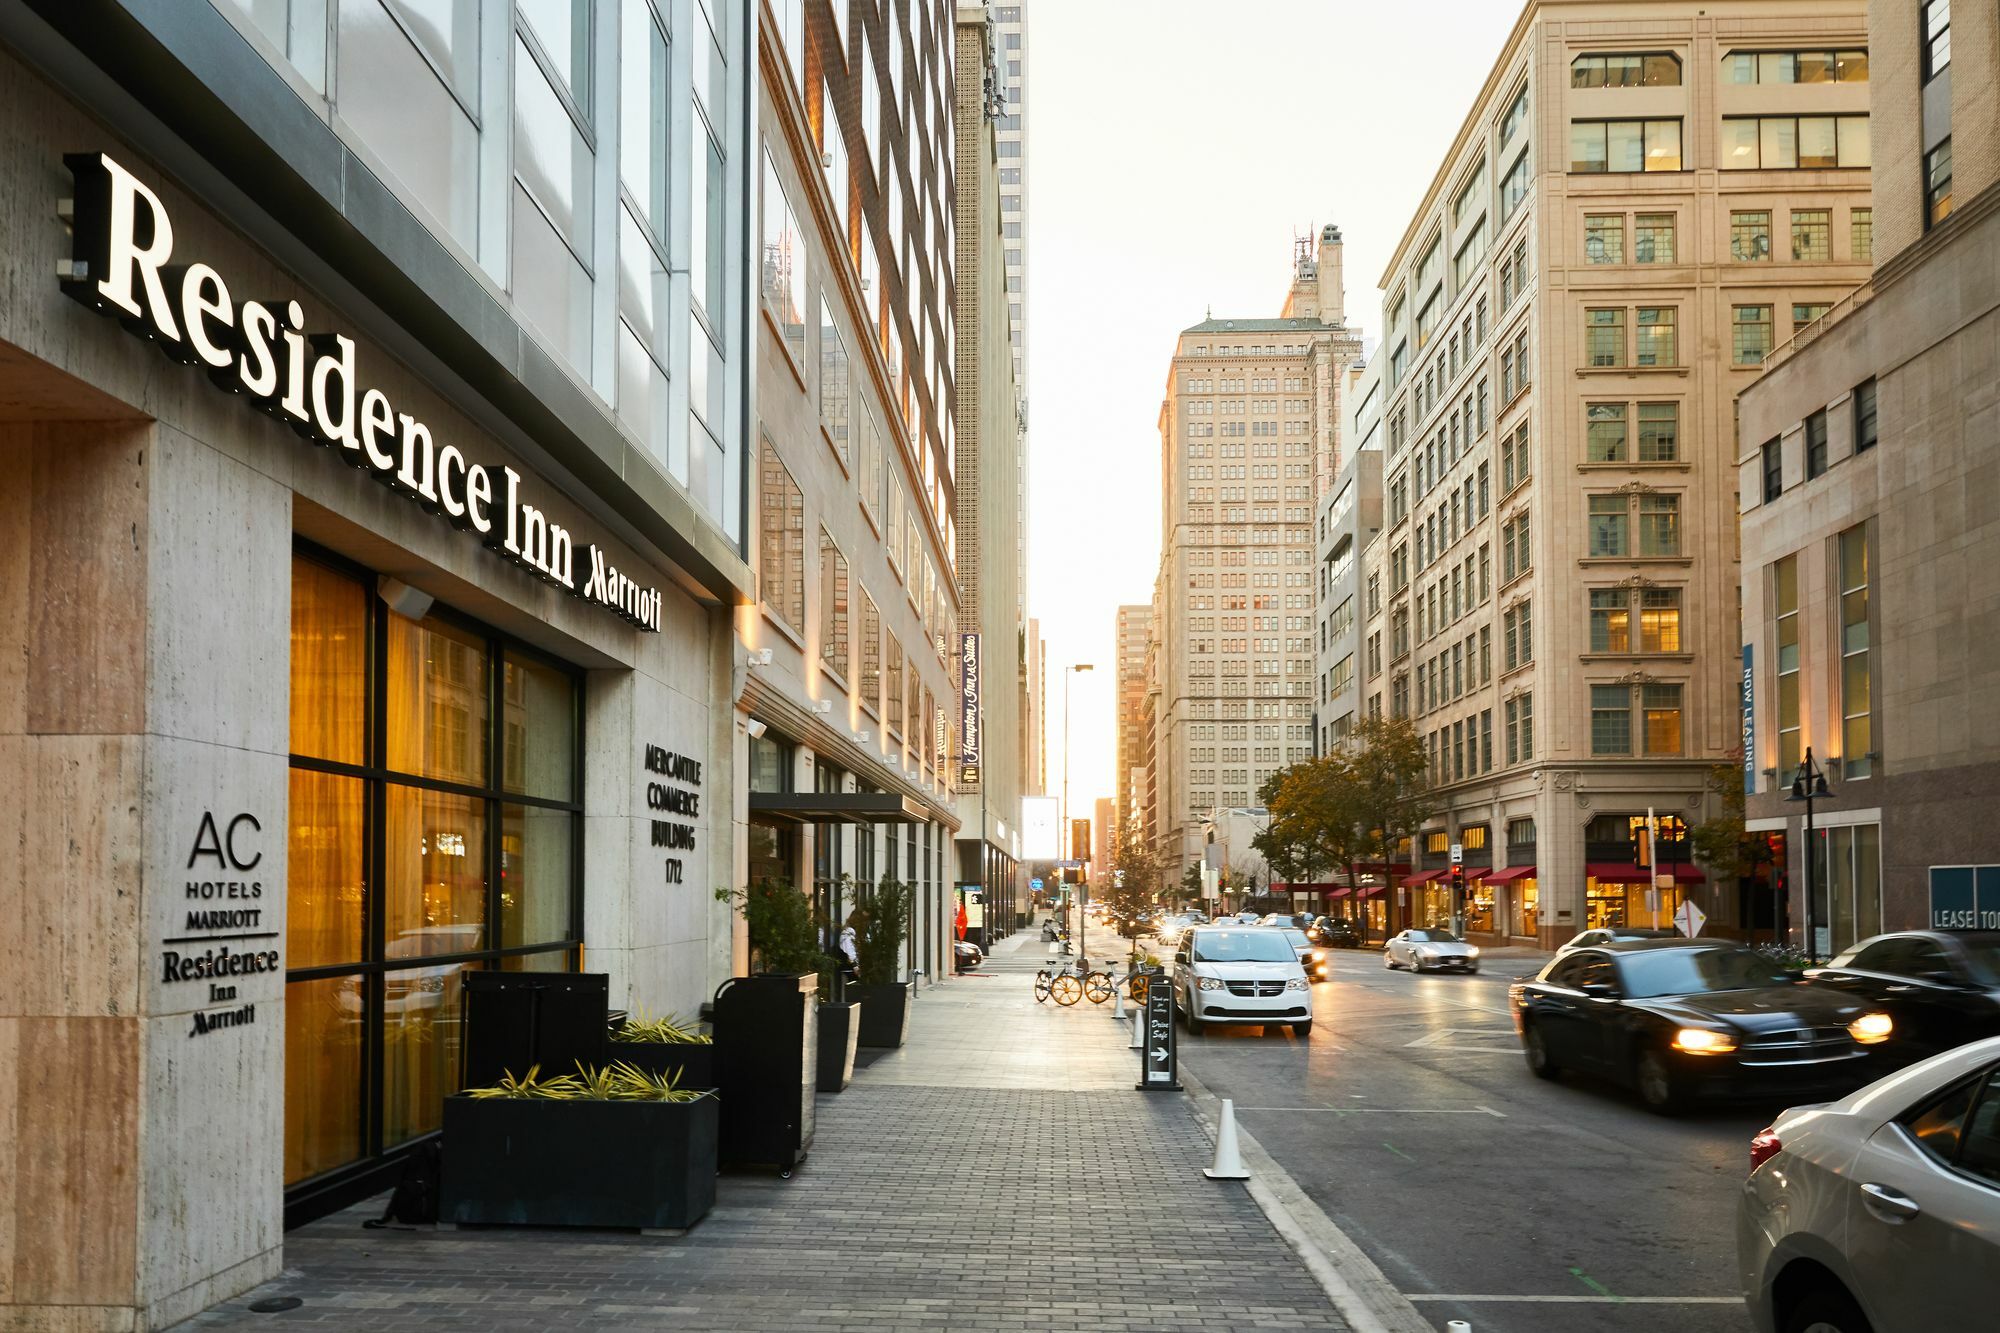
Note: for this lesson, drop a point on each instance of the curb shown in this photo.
(1359, 1291)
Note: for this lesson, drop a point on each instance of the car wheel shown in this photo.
(1388, 962)
(1303, 1029)
(1827, 1311)
(1540, 1062)
(1654, 1078)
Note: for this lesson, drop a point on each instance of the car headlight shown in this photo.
(1298, 983)
(1317, 956)
(1704, 1041)
(1472, 951)
(1871, 1028)
(1210, 983)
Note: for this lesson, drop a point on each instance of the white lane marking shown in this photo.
(1578, 1300)
(1443, 1038)
(1387, 1110)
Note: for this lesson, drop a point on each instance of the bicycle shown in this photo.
(1072, 982)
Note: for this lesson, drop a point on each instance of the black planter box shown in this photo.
(647, 1165)
(766, 1063)
(691, 1063)
(885, 1013)
(839, 1027)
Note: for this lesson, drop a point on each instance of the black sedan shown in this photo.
(1335, 932)
(1941, 987)
(1682, 1019)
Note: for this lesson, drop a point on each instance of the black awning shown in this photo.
(834, 807)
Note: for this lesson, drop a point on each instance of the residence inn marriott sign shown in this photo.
(290, 758)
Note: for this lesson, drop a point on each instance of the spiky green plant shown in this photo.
(667, 1031)
(616, 1082)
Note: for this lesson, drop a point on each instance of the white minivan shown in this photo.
(1244, 975)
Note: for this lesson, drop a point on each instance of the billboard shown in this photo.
(1041, 835)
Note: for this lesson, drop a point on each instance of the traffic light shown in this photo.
(1079, 839)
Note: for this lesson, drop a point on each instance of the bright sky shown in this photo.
(1175, 148)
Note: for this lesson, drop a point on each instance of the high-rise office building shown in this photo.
(1250, 420)
(992, 650)
(853, 776)
(1863, 455)
(1134, 631)
(1643, 200)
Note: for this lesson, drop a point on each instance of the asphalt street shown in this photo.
(1484, 1193)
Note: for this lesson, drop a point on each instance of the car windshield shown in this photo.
(1297, 939)
(1693, 971)
(1433, 937)
(1243, 946)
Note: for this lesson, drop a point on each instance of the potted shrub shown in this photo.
(785, 940)
(603, 1147)
(668, 1047)
(883, 931)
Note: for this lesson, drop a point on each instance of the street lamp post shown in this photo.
(1809, 786)
(1081, 925)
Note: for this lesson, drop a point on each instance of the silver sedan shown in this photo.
(1423, 950)
(1881, 1210)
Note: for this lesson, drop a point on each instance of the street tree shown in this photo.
(1390, 777)
(1130, 887)
(1721, 843)
(1315, 818)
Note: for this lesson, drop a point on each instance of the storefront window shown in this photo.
(1526, 920)
(1479, 907)
(399, 820)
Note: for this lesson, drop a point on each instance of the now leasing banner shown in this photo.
(123, 265)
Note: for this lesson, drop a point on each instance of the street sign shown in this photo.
(1458, 853)
(1158, 1058)
(1035, 884)
(1690, 919)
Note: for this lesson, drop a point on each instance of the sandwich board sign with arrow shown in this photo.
(1157, 1072)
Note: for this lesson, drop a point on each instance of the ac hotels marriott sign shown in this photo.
(122, 265)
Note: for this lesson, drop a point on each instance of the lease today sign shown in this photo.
(123, 265)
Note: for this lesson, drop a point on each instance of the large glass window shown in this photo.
(1624, 145)
(781, 574)
(1752, 142)
(1858, 743)
(1653, 238)
(409, 88)
(784, 266)
(1785, 612)
(435, 808)
(1936, 37)
(1812, 234)
(1750, 334)
(1750, 235)
(1937, 184)
(1652, 70)
(1850, 66)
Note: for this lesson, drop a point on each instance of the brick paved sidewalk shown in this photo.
(891, 1224)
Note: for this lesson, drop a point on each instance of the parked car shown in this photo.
(1681, 1019)
(1942, 987)
(965, 955)
(1422, 950)
(1609, 934)
(1311, 957)
(1879, 1213)
(1335, 932)
(1241, 975)
(1294, 920)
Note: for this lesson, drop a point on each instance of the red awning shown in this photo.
(1509, 875)
(1339, 893)
(1375, 892)
(1611, 872)
(1426, 877)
